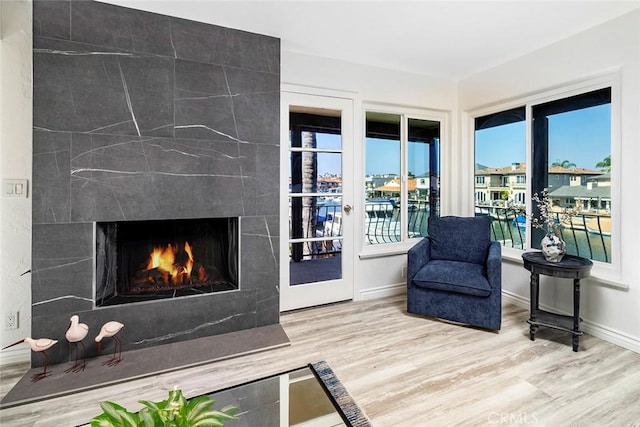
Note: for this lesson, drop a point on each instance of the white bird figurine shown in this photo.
(40, 345)
(75, 334)
(110, 329)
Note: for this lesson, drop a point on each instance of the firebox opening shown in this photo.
(147, 260)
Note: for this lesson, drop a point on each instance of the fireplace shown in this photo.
(148, 260)
(179, 120)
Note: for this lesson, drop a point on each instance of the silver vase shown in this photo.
(553, 247)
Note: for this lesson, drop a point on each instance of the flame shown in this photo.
(164, 259)
(189, 266)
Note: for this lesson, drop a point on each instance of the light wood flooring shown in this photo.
(405, 370)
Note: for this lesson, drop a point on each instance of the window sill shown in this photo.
(385, 250)
(597, 279)
(599, 276)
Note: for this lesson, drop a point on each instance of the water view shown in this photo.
(583, 240)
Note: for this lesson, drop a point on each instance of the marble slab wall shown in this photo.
(143, 116)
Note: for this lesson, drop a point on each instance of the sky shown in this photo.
(382, 156)
(581, 137)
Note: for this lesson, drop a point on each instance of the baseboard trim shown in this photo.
(520, 301)
(383, 291)
(615, 337)
(604, 333)
(17, 355)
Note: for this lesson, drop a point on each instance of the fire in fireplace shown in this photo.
(170, 267)
(144, 260)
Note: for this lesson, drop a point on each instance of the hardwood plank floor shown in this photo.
(406, 370)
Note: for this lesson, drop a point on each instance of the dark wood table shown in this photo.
(571, 267)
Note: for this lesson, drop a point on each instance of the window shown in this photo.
(402, 176)
(520, 198)
(570, 157)
(500, 146)
(572, 136)
(479, 179)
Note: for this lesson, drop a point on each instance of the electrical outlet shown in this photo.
(11, 320)
(404, 271)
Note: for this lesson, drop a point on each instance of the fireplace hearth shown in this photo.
(147, 260)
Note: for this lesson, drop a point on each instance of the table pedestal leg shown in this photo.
(534, 305)
(576, 314)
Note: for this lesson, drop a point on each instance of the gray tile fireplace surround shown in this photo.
(139, 116)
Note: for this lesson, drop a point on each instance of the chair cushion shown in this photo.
(464, 239)
(454, 276)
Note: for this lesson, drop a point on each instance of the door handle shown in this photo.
(347, 208)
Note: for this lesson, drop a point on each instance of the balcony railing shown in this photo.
(586, 235)
(323, 230)
(382, 221)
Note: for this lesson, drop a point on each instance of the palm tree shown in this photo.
(564, 164)
(309, 185)
(605, 164)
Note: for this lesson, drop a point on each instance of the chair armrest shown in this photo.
(417, 257)
(494, 266)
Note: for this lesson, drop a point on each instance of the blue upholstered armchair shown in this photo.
(456, 273)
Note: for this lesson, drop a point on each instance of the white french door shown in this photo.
(317, 218)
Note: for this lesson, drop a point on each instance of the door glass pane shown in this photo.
(329, 141)
(423, 189)
(382, 178)
(328, 166)
(315, 202)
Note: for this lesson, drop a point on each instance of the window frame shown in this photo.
(607, 273)
(406, 113)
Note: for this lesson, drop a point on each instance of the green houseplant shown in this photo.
(175, 411)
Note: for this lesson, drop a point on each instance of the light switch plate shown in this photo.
(15, 188)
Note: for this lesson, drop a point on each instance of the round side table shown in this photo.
(571, 267)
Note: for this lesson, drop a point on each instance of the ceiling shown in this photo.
(452, 39)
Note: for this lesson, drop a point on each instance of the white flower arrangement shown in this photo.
(549, 220)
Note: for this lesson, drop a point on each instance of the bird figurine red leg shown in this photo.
(110, 329)
(40, 345)
(75, 334)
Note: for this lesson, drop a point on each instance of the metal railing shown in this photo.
(506, 226)
(321, 234)
(586, 235)
(383, 225)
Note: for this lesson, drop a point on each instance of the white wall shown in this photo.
(15, 154)
(370, 83)
(608, 312)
